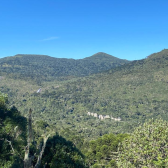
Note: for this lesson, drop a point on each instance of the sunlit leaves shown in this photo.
(147, 146)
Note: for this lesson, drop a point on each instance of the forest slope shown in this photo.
(134, 92)
(121, 150)
(43, 67)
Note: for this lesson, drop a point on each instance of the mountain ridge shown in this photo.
(96, 54)
(44, 66)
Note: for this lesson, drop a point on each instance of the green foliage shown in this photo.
(12, 135)
(41, 124)
(134, 92)
(13, 139)
(103, 151)
(3, 99)
(62, 153)
(112, 164)
(146, 147)
(45, 68)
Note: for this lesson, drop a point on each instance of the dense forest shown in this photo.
(134, 92)
(115, 117)
(45, 68)
(27, 144)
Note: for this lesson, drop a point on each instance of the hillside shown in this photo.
(133, 92)
(107, 151)
(46, 68)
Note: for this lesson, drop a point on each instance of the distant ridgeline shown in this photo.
(43, 67)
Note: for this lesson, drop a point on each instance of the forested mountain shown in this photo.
(133, 93)
(43, 67)
(113, 101)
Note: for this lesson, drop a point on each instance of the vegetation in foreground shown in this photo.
(21, 146)
(145, 147)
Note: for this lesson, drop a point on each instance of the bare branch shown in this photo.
(27, 159)
(41, 153)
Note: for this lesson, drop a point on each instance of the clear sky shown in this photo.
(127, 29)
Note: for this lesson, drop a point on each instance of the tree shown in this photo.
(21, 146)
(13, 128)
(103, 151)
(146, 147)
(62, 153)
(28, 159)
(12, 135)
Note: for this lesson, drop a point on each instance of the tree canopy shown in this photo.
(146, 147)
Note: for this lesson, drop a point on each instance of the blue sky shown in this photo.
(127, 29)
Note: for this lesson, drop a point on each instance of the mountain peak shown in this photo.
(104, 57)
(101, 54)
